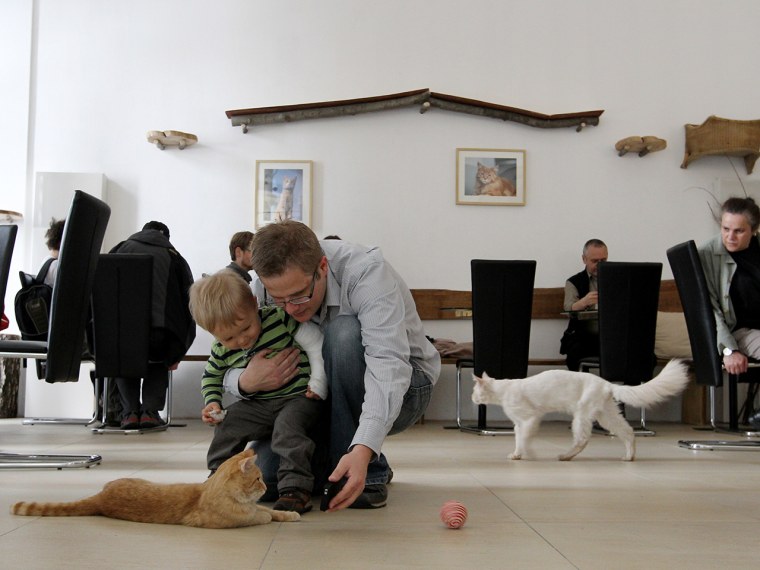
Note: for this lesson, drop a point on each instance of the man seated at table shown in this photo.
(581, 338)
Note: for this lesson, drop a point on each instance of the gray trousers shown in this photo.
(288, 422)
(748, 341)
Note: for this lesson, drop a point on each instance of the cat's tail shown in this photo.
(671, 381)
(83, 508)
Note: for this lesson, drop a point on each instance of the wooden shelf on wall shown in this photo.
(425, 98)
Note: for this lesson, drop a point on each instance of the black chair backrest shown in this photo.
(7, 241)
(698, 312)
(502, 303)
(628, 297)
(80, 248)
(121, 311)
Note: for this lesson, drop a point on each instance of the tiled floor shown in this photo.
(672, 508)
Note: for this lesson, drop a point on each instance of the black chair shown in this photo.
(629, 293)
(700, 322)
(10, 367)
(502, 304)
(7, 242)
(80, 247)
(121, 314)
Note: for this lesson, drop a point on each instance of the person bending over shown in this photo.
(380, 367)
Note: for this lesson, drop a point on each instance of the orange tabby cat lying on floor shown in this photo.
(225, 500)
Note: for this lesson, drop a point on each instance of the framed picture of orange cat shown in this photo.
(283, 191)
(490, 177)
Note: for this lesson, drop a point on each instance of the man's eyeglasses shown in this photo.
(294, 301)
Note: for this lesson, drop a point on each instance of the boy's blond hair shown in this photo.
(219, 298)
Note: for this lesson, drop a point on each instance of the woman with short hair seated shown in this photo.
(731, 262)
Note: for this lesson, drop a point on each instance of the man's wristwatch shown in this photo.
(728, 351)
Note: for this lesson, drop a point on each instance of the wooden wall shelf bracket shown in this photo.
(425, 98)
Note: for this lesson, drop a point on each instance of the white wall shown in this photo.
(103, 73)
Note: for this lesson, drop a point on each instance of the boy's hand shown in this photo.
(206, 413)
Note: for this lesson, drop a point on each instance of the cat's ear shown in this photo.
(477, 379)
(247, 464)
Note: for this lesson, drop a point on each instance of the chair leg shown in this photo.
(481, 428)
(642, 429)
(459, 397)
(68, 421)
(169, 396)
(27, 461)
(733, 403)
(40, 461)
(713, 397)
(733, 412)
(709, 445)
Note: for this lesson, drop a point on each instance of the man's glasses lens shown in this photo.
(295, 301)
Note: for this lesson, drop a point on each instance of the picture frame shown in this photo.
(283, 191)
(503, 177)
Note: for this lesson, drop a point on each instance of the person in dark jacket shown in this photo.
(581, 339)
(172, 326)
(53, 237)
(240, 254)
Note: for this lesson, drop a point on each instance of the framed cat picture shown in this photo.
(283, 191)
(490, 177)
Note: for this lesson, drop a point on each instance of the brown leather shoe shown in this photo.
(296, 500)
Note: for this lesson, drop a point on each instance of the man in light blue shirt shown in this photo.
(380, 366)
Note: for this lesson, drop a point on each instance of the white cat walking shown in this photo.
(584, 396)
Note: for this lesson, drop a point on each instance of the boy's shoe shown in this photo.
(373, 497)
(130, 421)
(151, 420)
(296, 500)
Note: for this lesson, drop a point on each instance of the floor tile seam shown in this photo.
(530, 526)
(548, 542)
(24, 523)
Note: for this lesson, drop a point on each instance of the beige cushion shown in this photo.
(671, 336)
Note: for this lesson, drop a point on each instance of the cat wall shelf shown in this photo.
(425, 98)
(641, 145)
(10, 216)
(718, 136)
(162, 139)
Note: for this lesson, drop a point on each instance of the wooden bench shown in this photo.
(548, 303)
(441, 304)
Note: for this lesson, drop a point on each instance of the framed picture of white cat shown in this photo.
(490, 177)
(283, 191)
